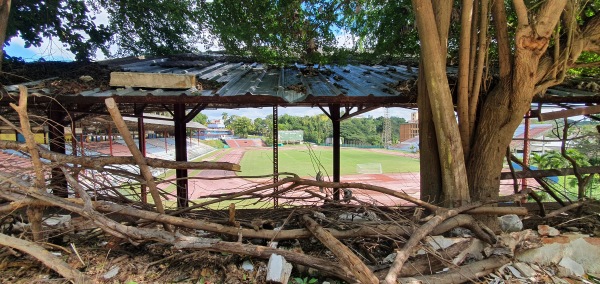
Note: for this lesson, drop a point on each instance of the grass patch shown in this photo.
(260, 162)
(214, 143)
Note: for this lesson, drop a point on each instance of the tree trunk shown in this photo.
(430, 168)
(4, 12)
(454, 179)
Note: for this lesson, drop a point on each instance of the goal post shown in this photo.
(370, 168)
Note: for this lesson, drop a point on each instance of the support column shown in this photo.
(525, 149)
(142, 147)
(56, 135)
(275, 152)
(181, 155)
(110, 139)
(334, 112)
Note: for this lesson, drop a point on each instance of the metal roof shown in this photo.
(229, 84)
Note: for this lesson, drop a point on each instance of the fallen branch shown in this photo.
(34, 213)
(325, 266)
(344, 255)
(111, 105)
(460, 220)
(469, 272)
(45, 257)
(418, 235)
(98, 163)
(564, 209)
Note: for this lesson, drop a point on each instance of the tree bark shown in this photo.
(44, 257)
(507, 103)
(4, 14)
(451, 155)
(430, 168)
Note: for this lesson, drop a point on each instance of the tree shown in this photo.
(4, 13)
(157, 27)
(549, 36)
(201, 118)
(241, 126)
(71, 22)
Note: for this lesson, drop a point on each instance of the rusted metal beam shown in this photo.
(334, 110)
(569, 113)
(549, 173)
(181, 155)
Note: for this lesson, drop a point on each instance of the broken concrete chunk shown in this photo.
(278, 270)
(112, 272)
(510, 223)
(572, 266)
(545, 230)
(247, 265)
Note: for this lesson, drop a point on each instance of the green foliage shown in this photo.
(241, 126)
(69, 21)
(305, 280)
(158, 27)
(201, 118)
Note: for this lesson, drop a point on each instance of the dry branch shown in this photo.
(345, 255)
(469, 272)
(44, 257)
(99, 163)
(325, 266)
(111, 105)
(418, 235)
(34, 213)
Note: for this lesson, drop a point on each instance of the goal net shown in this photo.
(371, 168)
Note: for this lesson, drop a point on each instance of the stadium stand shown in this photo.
(238, 143)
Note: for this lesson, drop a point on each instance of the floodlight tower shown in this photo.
(387, 129)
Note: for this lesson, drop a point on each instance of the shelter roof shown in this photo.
(223, 82)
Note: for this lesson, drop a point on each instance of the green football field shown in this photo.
(304, 164)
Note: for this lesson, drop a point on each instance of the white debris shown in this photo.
(278, 270)
(510, 223)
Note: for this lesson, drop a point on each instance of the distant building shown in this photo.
(411, 129)
(216, 130)
(291, 136)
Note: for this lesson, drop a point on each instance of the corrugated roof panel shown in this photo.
(219, 71)
(356, 83)
(242, 83)
(319, 86)
(268, 83)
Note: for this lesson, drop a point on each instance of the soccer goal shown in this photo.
(371, 168)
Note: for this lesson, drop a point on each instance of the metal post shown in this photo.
(142, 147)
(56, 135)
(275, 153)
(165, 136)
(525, 149)
(73, 140)
(110, 140)
(334, 111)
(181, 155)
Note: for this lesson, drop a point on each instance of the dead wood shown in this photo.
(564, 209)
(343, 253)
(418, 235)
(326, 266)
(430, 262)
(111, 105)
(469, 272)
(34, 213)
(99, 163)
(44, 257)
(460, 220)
